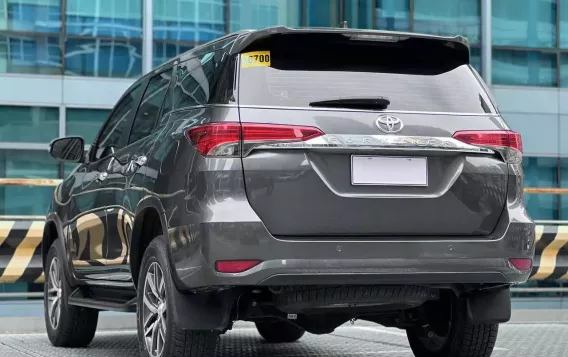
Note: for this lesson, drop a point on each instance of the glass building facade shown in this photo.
(63, 64)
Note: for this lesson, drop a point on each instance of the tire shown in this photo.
(67, 325)
(462, 338)
(298, 299)
(279, 331)
(153, 295)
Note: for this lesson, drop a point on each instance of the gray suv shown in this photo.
(297, 179)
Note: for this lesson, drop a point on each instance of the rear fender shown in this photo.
(148, 203)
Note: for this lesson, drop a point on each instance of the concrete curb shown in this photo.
(127, 322)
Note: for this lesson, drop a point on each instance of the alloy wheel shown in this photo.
(154, 310)
(54, 293)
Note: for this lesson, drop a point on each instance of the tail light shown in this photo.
(223, 139)
(509, 142)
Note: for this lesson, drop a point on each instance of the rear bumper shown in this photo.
(323, 261)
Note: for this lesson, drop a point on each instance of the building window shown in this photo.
(110, 18)
(524, 23)
(163, 51)
(541, 172)
(564, 70)
(453, 17)
(30, 54)
(322, 13)
(103, 58)
(524, 68)
(563, 183)
(475, 58)
(258, 14)
(85, 122)
(563, 19)
(196, 21)
(20, 200)
(28, 124)
(359, 13)
(104, 38)
(42, 16)
(393, 15)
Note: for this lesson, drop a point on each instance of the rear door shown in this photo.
(129, 187)
(376, 169)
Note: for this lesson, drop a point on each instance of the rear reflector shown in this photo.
(235, 266)
(521, 263)
(495, 138)
(222, 139)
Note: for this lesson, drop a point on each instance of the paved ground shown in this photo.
(515, 340)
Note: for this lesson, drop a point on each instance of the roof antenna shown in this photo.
(343, 25)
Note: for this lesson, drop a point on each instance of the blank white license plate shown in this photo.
(389, 171)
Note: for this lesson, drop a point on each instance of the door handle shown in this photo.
(102, 176)
(140, 161)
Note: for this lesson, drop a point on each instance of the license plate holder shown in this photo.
(389, 170)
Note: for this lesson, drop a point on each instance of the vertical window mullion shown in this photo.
(411, 15)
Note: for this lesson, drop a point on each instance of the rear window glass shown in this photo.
(412, 77)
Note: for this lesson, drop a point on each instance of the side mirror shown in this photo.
(68, 149)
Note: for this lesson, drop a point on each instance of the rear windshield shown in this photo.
(417, 77)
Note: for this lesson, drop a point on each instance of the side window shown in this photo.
(149, 109)
(197, 80)
(112, 137)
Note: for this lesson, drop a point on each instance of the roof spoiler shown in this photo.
(458, 43)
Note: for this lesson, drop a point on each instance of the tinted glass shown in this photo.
(322, 13)
(196, 21)
(28, 124)
(148, 112)
(163, 51)
(393, 15)
(541, 172)
(564, 70)
(103, 58)
(450, 17)
(21, 200)
(117, 127)
(203, 80)
(359, 13)
(85, 122)
(30, 54)
(258, 14)
(563, 18)
(524, 68)
(299, 75)
(31, 15)
(563, 183)
(109, 18)
(524, 23)
(475, 58)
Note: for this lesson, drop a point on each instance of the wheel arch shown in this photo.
(51, 232)
(149, 222)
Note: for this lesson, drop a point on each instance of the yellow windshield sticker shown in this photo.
(255, 59)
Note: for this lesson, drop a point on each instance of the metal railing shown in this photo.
(54, 182)
(38, 182)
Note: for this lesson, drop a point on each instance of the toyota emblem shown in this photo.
(389, 124)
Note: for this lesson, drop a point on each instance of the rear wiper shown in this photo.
(354, 103)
